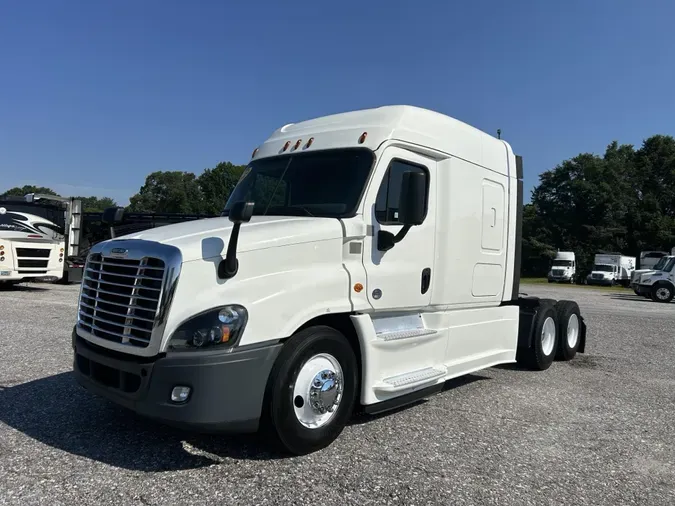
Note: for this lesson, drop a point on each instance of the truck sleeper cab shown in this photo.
(362, 260)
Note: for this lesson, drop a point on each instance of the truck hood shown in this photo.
(208, 238)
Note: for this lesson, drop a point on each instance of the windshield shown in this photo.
(669, 266)
(659, 265)
(562, 263)
(323, 183)
(603, 268)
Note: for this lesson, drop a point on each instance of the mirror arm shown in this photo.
(228, 268)
(386, 240)
(402, 233)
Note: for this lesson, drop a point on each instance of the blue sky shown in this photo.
(95, 95)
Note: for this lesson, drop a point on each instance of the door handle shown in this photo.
(426, 279)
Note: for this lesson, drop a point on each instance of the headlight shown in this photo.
(217, 328)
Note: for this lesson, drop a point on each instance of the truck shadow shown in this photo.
(628, 297)
(57, 412)
(33, 287)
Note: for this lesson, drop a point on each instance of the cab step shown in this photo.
(404, 334)
(411, 379)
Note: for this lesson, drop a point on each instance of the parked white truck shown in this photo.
(362, 260)
(563, 268)
(658, 284)
(611, 269)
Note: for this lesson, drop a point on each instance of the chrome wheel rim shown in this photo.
(572, 331)
(318, 391)
(548, 336)
(663, 293)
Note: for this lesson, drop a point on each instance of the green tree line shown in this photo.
(622, 201)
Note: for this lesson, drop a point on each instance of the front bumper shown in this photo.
(560, 279)
(227, 388)
(7, 274)
(643, 289)
(601, 282)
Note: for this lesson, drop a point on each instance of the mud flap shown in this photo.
(582, 342)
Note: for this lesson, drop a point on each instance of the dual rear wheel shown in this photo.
(556, 334)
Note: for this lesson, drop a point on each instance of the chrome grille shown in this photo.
(120, 298)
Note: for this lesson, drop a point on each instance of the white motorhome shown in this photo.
(611, 269)
(563, 268)
(31, 247)
(363, 259)
(38, 234)
(658, 284)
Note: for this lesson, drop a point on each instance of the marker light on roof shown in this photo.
(363, 137)
(297, 144)
(255, 152)
(309, 142)
(288, 143)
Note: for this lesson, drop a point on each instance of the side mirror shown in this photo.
(241, 212)
(113, 215)
(411, 208)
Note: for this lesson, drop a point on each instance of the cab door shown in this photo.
(403, 276)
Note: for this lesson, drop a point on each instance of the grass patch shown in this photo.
(544, 281)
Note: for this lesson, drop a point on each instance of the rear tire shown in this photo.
(316, 369)
(540, 355)
(569, 329)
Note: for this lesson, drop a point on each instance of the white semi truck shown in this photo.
(563, 268)
(611, 269)
(362, 260)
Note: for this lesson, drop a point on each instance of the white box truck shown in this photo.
(611, 269)
(362, 260)
(563, 268)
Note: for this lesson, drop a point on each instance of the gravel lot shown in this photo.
(597, 430)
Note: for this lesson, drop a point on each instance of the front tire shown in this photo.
(311, 390)
(662, 292)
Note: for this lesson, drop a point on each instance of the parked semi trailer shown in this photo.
(362, 260)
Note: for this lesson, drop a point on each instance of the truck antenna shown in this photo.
(499, 133)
